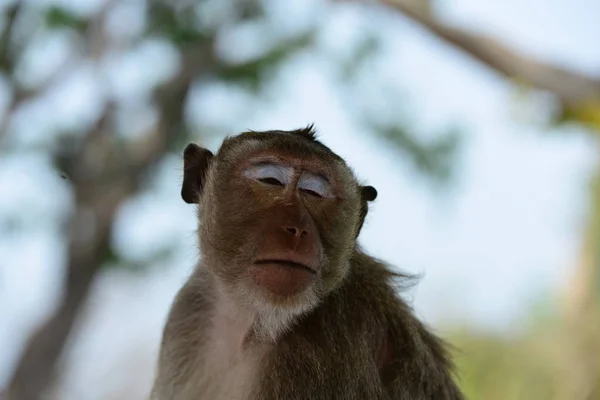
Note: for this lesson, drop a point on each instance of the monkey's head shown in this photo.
(279, 216)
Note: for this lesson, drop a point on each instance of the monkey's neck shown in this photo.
(234, 325)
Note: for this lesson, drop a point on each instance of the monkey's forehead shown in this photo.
(300, 143)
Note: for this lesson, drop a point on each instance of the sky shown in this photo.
(504, 235)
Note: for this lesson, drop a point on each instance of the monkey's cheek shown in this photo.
(281, 280)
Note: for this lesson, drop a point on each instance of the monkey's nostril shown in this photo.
(291, 230)
(296, 231)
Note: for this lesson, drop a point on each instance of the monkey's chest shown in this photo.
(226, 375)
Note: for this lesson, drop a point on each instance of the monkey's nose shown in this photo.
(294, 231)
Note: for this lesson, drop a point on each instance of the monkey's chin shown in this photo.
(274, 310)
(274, 294)
(282, 278)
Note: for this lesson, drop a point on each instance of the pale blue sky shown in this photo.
(504, 234)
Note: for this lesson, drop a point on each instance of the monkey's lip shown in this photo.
(282, 276)
(287, 263)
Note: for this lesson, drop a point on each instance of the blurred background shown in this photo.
(478, 123)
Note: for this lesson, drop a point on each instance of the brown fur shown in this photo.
(347, 336)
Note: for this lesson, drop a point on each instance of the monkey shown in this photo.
(284, 304)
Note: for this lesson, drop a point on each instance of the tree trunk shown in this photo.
(37, 365)
(582, 308)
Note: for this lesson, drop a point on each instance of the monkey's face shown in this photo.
(279, 218)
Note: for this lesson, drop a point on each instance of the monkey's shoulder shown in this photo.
(402, 348)
(187, 319)
(374, 290)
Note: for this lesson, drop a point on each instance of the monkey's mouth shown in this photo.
(287, 263)
(282, 277)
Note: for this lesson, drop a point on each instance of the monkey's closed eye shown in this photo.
(271, 181)
(269, 174)
(311, 192)
(314, 185)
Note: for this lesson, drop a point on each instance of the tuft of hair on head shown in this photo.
(308, 132)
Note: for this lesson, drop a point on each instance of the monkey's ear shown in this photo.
(196, 160)
(368, 193)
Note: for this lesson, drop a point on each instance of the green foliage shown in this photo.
(587, 115)
(545, 362)
(435, 159)
(497, 368)
(365, 50)
(252, 73)
(594, 233)
(59, 17)
(180, 27)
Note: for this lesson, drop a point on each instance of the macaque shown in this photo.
(284, 304)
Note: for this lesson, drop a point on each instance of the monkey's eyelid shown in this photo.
(269, 172)
(316, 185)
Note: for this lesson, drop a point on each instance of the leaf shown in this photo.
(58, 17)
(252, 73)
(435, 160)
(180, 28)
(364, 51)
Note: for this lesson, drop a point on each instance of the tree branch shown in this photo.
(94, 46)
(12, 14)
(98, 199)
(573, 89)
(103, 177)
(88, 239)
